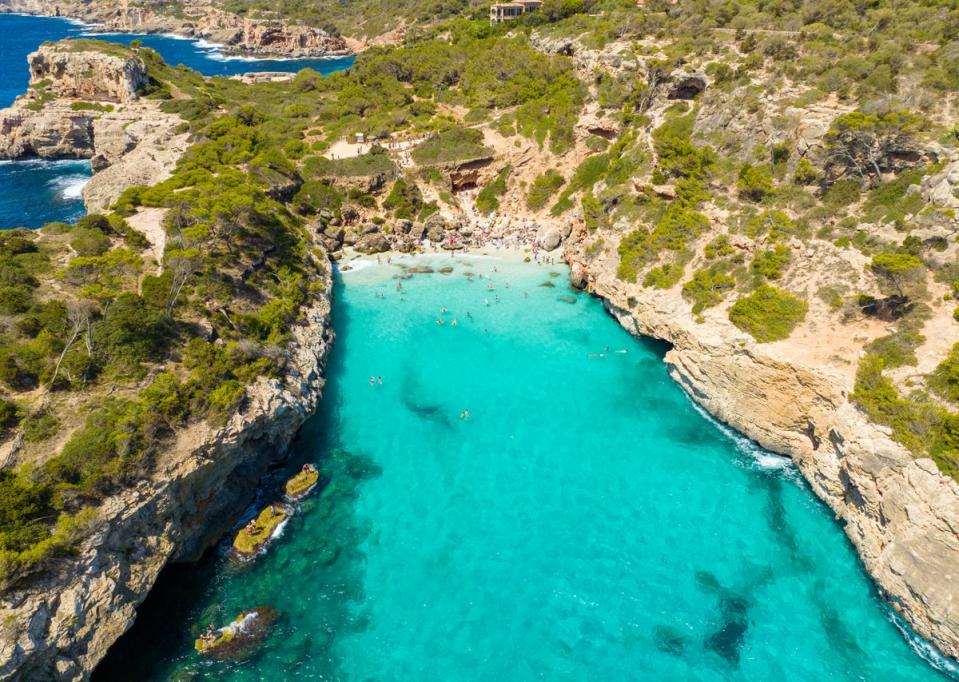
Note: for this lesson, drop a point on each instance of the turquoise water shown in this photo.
(584, 523)
(39, 192)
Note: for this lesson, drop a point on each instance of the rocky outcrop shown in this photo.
(87, 74)
(62, 627)
(900, 512)
(198, 20)
(83, 104)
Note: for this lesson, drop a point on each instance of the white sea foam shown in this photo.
(923, 649)
(763, 459)
(69, 187)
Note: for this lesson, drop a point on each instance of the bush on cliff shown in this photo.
(768, 314)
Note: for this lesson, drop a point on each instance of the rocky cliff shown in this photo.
(60, 628)
(201, 20)
(900, 513)
(83, 104)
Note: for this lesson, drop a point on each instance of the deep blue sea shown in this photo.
(584, 522)
(43, 191)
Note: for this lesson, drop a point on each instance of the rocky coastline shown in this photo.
(235, 35)
(84, 105)
(900, 513)
(60, 625)
(75, 614)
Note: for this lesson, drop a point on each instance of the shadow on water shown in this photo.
(186, 598)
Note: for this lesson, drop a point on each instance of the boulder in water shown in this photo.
(258, 533)
(241, 638)
(577, 277)
(301, 485)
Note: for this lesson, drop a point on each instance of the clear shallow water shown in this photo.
(31, 194)
(585, 522)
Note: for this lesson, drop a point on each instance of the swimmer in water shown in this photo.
(469, 316)
(486, 301)
(372, 381)
(465, 414)
(399, 286)
(496, 298)
(379, 380)
(440, 322)
(444, 310)
(453, 323)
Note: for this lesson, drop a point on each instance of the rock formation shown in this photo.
(199, 20)
(83, 104)
(900, 513)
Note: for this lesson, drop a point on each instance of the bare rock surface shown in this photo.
(128, 139)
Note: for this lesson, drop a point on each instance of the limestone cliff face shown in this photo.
(199, 20)
(61, 628)
(87, 74)
(129, 140)
(901, 514)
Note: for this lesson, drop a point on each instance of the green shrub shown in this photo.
(225, 400)
(454, 144)
(90, 106)
(672, 232)
(913, 423)
(944, 381)
(487, 200)
(10, 415)
(543, 187)
(664, 276)
(897, 349)
(720, 247)
(755, 182)
(89, 242)
(771, 263)
(707, 288)
(39, 426)
(315, 196)
(768, 314)
(805, 173)
(405, 200)
(676, 154)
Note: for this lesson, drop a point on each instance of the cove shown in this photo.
(585, 522)
(45, 191)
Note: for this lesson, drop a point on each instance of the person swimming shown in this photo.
(372, 381)
(465, 414)
(444, 310)
(453, 323)
(379, 380)
(440, 322)
(399, 286)
(485, 301)
(469, 316)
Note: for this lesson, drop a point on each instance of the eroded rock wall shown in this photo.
(900, 513)
(61, 628)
